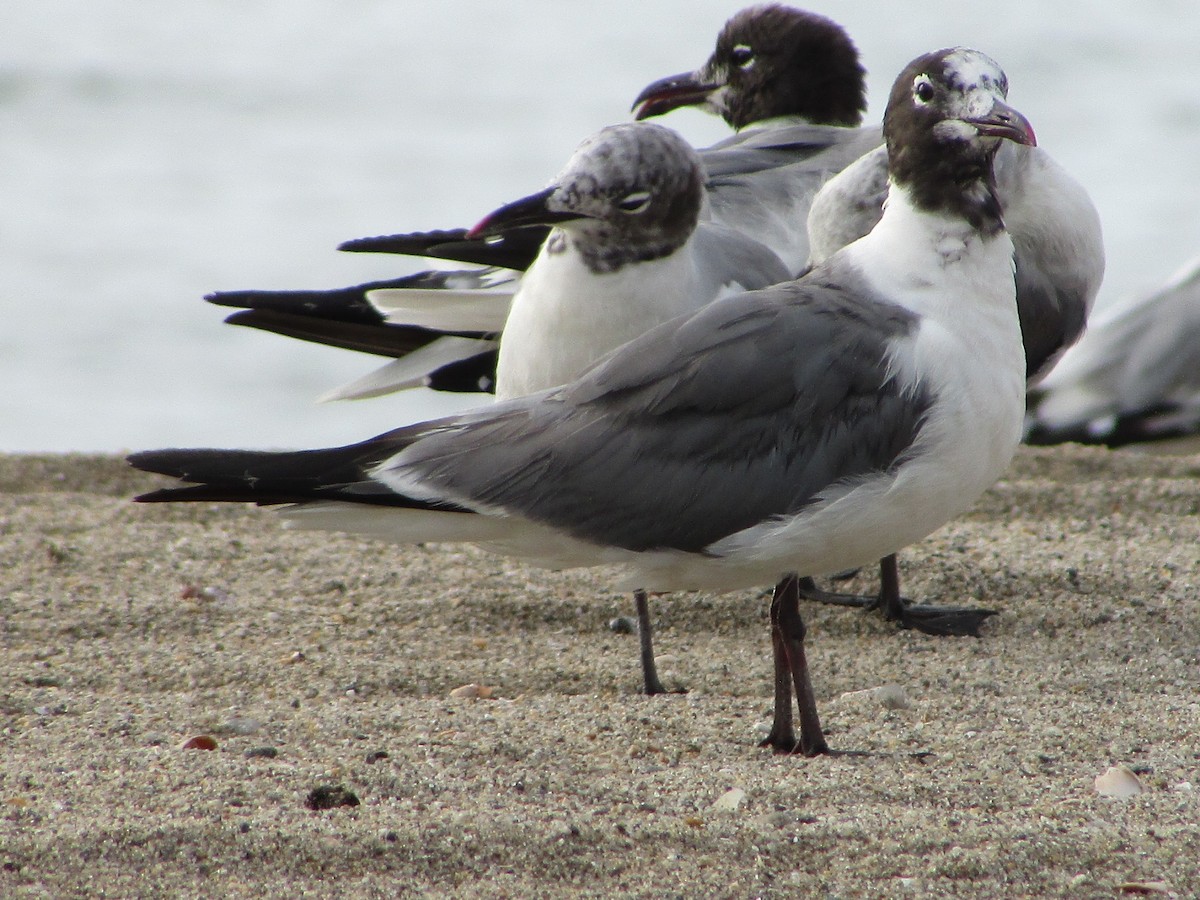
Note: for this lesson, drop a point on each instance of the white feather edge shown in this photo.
(445, 310)
(535, 544)
(410, 371)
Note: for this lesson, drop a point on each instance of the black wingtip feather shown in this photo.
(414, 243)
(515, 249)
(378, 340)
(272, 478)
(262, 476)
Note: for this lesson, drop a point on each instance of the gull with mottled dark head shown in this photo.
(630, 194)
(626, 252)
(893, 398)
(1059, 245)
(791, 82)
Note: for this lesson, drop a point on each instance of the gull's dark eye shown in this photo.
(923, 91)
(635, 202)
(742, 56)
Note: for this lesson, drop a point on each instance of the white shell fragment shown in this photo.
(473, 692)
(729, 801)
(888, 696)
(1119, 782)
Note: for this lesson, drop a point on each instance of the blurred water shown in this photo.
(150, 153)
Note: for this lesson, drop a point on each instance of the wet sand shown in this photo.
(324, 661)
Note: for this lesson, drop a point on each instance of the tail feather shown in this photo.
(346, 318)
(269, 478)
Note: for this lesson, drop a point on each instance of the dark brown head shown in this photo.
(770, 61)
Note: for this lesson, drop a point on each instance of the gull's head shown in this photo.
(770, 61)
(629, 192)
(953, 97)
(945, 119)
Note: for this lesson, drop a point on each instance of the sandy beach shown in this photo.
(326, 670)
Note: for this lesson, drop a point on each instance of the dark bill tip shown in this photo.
(523, 213)
(671, 93)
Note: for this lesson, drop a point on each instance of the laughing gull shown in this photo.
(759, 183)
(790, 82)
(893, 398)
(1133, 377)
(758, 80)
(626, 252)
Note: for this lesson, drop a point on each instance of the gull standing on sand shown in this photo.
(626, 253)
(894, 397)
(761, 78)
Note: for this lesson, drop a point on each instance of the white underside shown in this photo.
(565, 317)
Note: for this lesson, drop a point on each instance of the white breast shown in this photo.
(565, 317)
(967, 353)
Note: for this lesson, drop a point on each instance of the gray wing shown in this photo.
(729, 259)
(754, 149)
(848, 206)
(1058, 248)
(1136, 373)
(766, 191)
(699, 429)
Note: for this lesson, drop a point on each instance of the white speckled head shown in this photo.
(976, 82)
(629, 193)
(946, 115)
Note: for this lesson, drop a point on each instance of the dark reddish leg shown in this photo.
(791, 671)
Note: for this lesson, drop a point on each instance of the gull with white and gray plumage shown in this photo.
(893, 398)
(753, 80)
(1134, 377)
(758, 183)
(626, 250)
